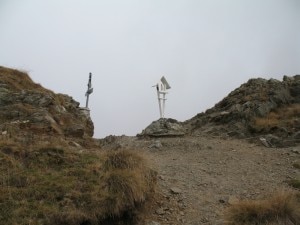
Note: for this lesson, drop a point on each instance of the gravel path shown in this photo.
(199, 177)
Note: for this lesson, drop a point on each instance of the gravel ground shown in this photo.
(200, 176)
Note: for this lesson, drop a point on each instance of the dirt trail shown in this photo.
(199, 177)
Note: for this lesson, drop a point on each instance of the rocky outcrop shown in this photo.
(27, 106)
(258, 107)
(164, 128)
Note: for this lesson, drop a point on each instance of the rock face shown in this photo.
(27, 106)
(163, 128)
(258, 107)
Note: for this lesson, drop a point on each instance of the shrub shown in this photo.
(282, 208)
(127, 182)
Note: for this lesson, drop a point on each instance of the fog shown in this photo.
(204, 48)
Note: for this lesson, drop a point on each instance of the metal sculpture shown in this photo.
(162, 86)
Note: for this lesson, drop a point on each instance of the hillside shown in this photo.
(27, 107)
(51, 169)
(216, 168)
(259, 108)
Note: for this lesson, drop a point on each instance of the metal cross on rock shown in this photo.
(89, 91)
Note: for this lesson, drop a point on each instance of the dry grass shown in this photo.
(45, 181)
(288, 116)
(128, 182)
(58, 185)
(282, 208)
(122, 160)
(17, 79)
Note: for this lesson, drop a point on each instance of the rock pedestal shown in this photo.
(164, 128)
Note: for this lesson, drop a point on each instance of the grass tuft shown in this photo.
(127, 182)
(124, 190)
(122, 160)
(281, 209)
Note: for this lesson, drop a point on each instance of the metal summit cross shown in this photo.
(89, 91)
(162, 86)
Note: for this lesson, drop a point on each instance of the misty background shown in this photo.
(204, 48)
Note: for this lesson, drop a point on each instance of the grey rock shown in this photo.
(157, 144)
(160, 211)
(3, 90)
(164, 127)
(175, 190)
(288, 78)
(273, 140)
(265, 142)
(295, 151)
(232, 200)
(74, 144)
(153, 223)
(37, 99)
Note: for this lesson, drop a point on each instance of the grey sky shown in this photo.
(205, 49)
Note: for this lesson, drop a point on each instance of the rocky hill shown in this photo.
(215, 169)
(51, 169)
(27, 107)
(269, 109)
(53, 172)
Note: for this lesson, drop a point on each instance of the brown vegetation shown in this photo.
(282, 208)
(288, 116)
(17, 79)
(60, 185)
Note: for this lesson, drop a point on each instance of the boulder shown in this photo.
(164, 128)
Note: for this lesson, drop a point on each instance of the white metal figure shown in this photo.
(162, 87)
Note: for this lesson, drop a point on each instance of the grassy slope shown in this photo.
(58, 185)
